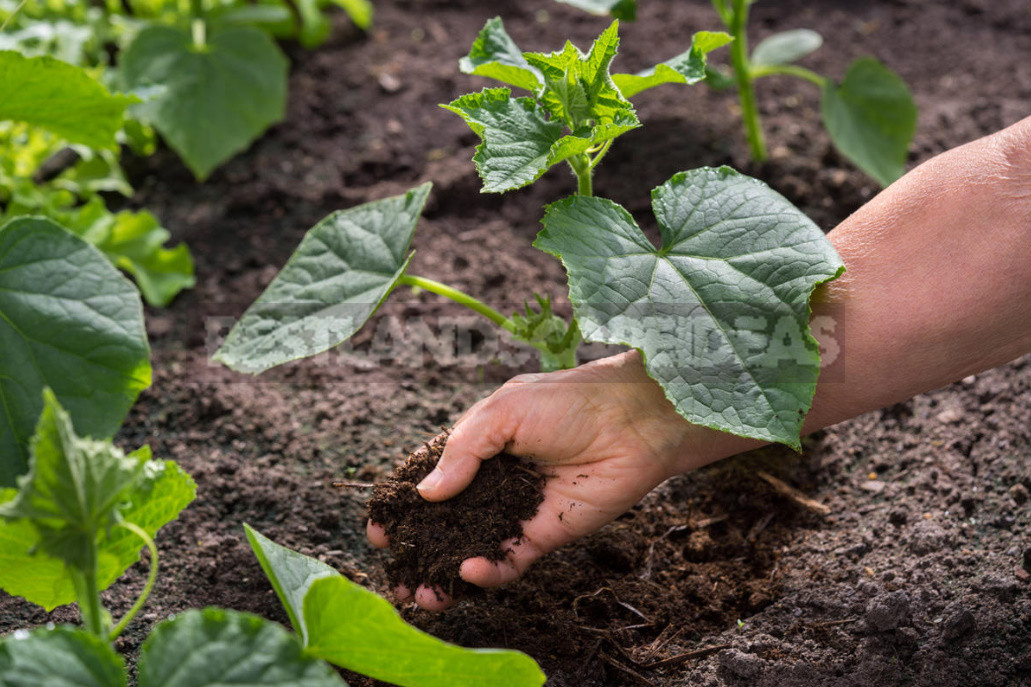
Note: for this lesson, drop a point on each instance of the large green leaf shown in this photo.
(495, 55)
(68, 321)
(59, 97)
(345, 267)
(290, 573)
(785, 47)
(720, 311)
(686, 68)
(62, 657)
(217, 98)
(871, 118)
(218, 648)
(617, 9)
(162, 493)
(356, 629)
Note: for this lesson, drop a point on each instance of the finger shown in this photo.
(432, 599)
(485, 573)
(482, 434)
(403, 594)
(377, 535)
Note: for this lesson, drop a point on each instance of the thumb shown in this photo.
(484, 432)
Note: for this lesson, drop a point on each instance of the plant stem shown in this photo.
(460, 298)
(197, 25)
(745, 79)
(88, 593)
(789, 70)
(12, 15)
(582, 168)
(151, 578)
(601, 153)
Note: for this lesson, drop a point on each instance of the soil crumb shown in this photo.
(429, 540)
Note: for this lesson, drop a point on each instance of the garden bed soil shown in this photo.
(919, 575)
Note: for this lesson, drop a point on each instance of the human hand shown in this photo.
(604, 433)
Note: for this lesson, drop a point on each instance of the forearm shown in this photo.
(937, 287)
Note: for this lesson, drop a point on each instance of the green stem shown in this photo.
(582, 168)
(88, 593)
(151, 579)
(12, 15)
(460, 298)
(788, 70)
(601, 153)
(745, 81)
(198, 26)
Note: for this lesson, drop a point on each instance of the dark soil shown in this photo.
(920, 574)
(429, 541)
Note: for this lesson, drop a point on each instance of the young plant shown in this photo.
(720, 310)
(77, 523)
(870, 115)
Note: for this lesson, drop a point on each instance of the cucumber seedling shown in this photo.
(720, 310)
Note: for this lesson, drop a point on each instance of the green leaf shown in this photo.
(59, 97)
(343, 270)
(217, 98)
(495, 55)
(68, 321)
(162, 493)
(290, 573)
(786, 47)
(686, 68)
(578, 88)
(74, 486)
(871, 118)
(360, 12)
(617, 9)
(517, 138)
(134, 242)
(720, 311)
(62, 657)
(218, 648)
(356, 629)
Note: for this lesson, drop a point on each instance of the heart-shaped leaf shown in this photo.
(345, 267)
(68, 321)
(215, 98)
(720, 311)
(871, 118)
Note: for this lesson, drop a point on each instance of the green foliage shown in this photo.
(162, 491)
(786, 47)
(62, 657)
(720, 310)
(197, 109)
(59, 97)
(355, 629)
(617, 9)
(687, 68)
(68, 321)
(343, 270)
(214, 647)
(871, 118)
(576, 110)
(870, 115)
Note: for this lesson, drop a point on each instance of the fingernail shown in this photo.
(430, 481)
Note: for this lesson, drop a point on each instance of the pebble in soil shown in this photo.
(429, 540)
